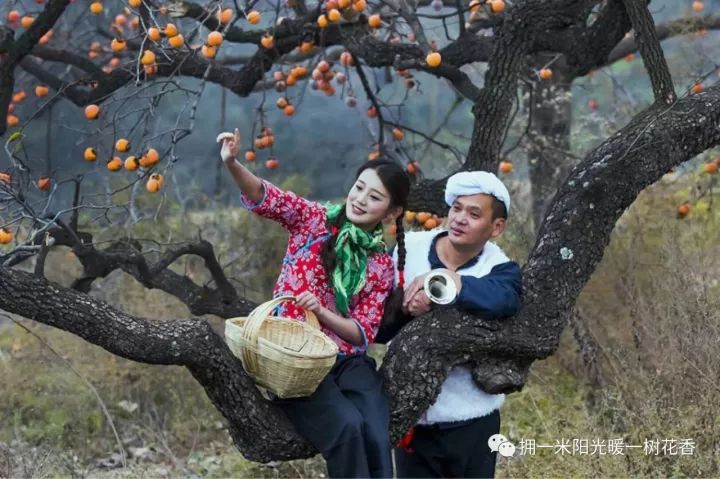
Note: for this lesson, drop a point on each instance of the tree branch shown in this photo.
(127, 255)
(577, 228)
(259, 430)
(18, 49)
(652, 53)
(664, 31)
(585, 46)
(152, 342)
(52, 54)
(78, 92)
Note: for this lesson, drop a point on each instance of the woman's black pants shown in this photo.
(347, 419)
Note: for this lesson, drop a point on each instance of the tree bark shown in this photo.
(652, 54)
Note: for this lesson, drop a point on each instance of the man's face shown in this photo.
(470, 221)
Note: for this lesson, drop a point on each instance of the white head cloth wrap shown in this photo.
(474, 182)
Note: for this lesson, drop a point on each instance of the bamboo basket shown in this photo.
(287, 357)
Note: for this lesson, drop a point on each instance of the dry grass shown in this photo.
(652, 311)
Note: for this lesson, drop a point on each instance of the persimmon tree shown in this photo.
(140, 48)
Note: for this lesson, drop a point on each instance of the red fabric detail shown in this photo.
(401, 281)
(406, 440)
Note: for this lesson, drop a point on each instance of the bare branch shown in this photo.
(127, 255)
(18, 49)
(652, 53)
(67, 57)
(373, 99)
(682, 26)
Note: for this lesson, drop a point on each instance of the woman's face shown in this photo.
(368, 201)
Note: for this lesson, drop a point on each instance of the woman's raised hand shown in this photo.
(230, 145)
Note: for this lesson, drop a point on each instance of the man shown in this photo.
(451, 437)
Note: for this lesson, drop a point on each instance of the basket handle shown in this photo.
(268, 306)
(257, 317)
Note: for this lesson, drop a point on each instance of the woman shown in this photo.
(337, 266)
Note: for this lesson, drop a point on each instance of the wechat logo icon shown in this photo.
(499, 443)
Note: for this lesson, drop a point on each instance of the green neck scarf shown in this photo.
(352, 247)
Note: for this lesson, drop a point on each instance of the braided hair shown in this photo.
(393, 316)
(400, 237)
